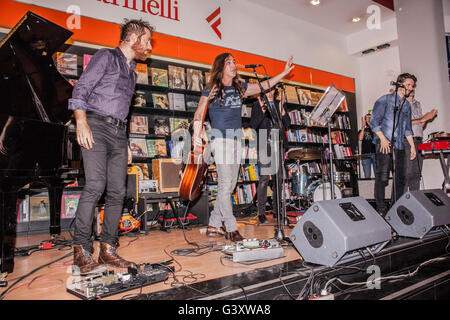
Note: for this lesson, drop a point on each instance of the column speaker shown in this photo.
(418, 213)
(333, 232)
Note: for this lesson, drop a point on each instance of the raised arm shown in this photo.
(253, 88)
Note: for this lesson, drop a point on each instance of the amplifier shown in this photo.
(167, 172)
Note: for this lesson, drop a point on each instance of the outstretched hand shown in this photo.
(289, 66)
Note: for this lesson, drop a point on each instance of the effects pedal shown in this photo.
(109, 283)
(252, 250)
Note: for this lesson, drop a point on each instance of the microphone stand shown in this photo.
(394, 127)
(276, 121)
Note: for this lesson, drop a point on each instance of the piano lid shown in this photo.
(30, 85)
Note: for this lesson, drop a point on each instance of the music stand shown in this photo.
(322, 113)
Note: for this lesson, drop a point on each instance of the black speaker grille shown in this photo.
(405, 215)
(313, 234)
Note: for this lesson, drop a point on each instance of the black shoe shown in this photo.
(262, 218)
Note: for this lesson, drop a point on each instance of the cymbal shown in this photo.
(358, 156)
(305, 154)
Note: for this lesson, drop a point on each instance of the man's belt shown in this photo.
(114, 121)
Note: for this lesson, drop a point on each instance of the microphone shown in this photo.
(397, 84)
(251, 66)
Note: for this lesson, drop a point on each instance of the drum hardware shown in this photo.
(318, 191)
(304, 154)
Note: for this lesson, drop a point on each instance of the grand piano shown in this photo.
(34, 122)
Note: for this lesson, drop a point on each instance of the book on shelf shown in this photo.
(192, 102)
(194, 79)
(250, 172)
(177, 79)
(315, 97)
(159, 77)
(291, 94)
(161, 148)
(304, 96)
(343, 106)
(139, 125)
(212, 176)
(143, 173)
(139, 99)
(138, 147)
(67, 63)
(69, 205)
(207, 77)
(151, 150)
(244, 194)
(159, 125)
(86, 59)
(142, 73)
(160, 101)
(178, 124)
(39, 207)
(176, 101)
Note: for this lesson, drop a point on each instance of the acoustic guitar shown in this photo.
(194, 171)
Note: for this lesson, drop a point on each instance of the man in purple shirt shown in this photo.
(100, 102)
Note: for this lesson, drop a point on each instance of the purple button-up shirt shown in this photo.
(106, 86)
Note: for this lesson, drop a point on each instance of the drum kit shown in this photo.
(308, 191)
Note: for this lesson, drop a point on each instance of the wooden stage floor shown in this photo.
(49, 283)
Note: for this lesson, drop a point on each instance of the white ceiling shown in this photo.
(335, 15)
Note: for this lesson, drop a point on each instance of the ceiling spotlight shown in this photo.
(315, 2)
(356, 19)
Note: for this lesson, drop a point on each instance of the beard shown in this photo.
(140, 52)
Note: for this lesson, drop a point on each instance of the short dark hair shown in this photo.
(401, 78)
(134, 26)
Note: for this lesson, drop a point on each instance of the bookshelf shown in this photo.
(166, 97)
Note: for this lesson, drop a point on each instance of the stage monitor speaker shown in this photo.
(333, 232)
(418, 213)
(167, 172)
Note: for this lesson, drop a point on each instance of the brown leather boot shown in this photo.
(109, 256)
(234, 236)
(83, 262)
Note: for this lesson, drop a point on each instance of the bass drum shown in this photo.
(319, 191)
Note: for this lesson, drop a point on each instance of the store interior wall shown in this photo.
(377, 69)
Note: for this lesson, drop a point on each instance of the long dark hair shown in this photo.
(217, 74)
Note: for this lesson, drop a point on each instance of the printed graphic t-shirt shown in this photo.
(226, 114)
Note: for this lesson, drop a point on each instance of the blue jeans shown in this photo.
(105, 165)
(367, 166)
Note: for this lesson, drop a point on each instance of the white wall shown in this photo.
(244, 26)
(376, 71)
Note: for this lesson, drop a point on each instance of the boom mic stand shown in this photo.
(277, 124)
(397, 110)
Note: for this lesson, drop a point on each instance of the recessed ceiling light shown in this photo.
(356, 19)
(315, 2)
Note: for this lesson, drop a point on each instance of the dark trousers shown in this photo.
(264, 180)
(105, 165)
(413, 167)
(384, 167)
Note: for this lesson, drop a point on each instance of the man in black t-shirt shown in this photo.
(367, 147)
